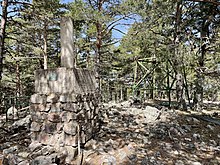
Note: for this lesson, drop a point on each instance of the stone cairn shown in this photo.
(64, 108)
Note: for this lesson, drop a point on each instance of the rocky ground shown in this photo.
(157, 136)
(137, 134)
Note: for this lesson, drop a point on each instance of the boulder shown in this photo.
(12, 113)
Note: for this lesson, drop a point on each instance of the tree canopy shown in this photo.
(179, 39)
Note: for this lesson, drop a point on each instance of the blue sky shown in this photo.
(66, 1)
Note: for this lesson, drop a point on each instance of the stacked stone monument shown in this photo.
(64, 107)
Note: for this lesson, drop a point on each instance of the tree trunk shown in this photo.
(177, 56)
(205, 31)
(198, 97)
(98, 46)
(2, 34)
(45, 47)
(18, 77)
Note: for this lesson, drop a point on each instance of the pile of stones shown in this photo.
(64, 122)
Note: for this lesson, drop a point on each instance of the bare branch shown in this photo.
(207, 1)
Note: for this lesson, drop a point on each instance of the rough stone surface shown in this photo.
(12, 113)
(68, 82)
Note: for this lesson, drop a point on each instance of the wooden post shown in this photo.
(67, 43)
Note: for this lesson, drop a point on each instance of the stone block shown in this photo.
(35, 127)
(49, 127)
(71, 154)
(52, 98)
(55, 108)
(38, 117)
(45, 138)
(67, 45)
(70, 128)
(66, 116)
(72, 98)
(34, 136)
(69, 107)
(38, 107)
(42, 160)
(59, 127)
(63, 98)
(34, 146)
(56, 139)
(70, 140)
(38, 99)
(64, 81)
(54, 117)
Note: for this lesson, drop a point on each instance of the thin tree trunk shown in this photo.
(2, 34)
(98, 46)
(45, 47)
(177, 60)
(18, 78)
(198, 96)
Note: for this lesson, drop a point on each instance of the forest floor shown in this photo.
(142, 134)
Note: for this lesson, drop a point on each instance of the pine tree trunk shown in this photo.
(2, 34)
(198, 97)
(98, 46)
(177, 60)
(45, 47)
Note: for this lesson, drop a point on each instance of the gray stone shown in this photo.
(71, 140)
(76, 81)
(56, 108)
(12, 113)
(71, 154)
(10, 150)
(63, 98)
(52, 98)
(23, 154)
(127, 104)
(54, 117)
(40, 107)
(12, 159)
(49, 127)
(38, 99)
(41, 160)
(35, 127)
(35, 145)
(72, 98)
(195, 163)
(70, 128)
(66, 116)
(69, 107)
(25, 122)
(179, 162)
(45, 138)
(25, 162)
(67, 46)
